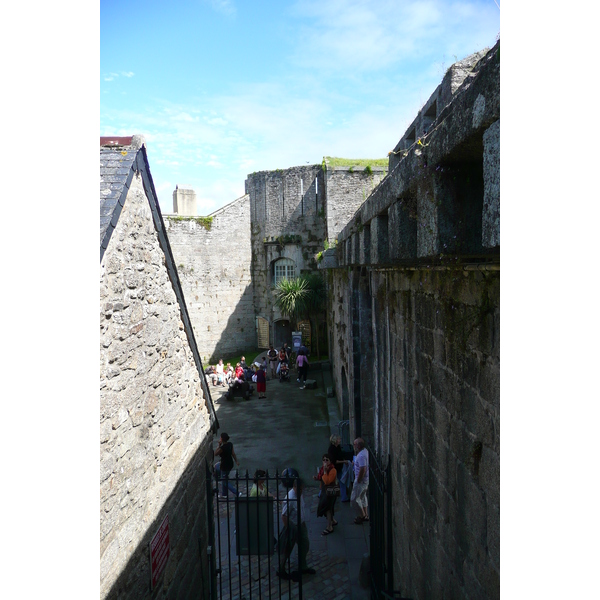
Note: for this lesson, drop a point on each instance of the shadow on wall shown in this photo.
(186, 573)
(239, 333)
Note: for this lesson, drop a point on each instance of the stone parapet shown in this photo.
(434, 198)
(442, 96)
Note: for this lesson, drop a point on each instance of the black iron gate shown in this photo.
(253, 553)
(381, 534)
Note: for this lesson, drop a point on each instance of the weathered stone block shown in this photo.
(491, 181)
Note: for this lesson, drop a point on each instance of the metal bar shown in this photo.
(300, 491)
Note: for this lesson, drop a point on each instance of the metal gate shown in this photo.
(252, 553)
(381, 534)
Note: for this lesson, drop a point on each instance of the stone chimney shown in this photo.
(184, 201)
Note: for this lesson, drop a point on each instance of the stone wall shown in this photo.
(422, 348)
(293, 213)
(453, 79)
(213, 257)
(415, 344)
(154, 421)
(225, 261)
(287, 210)
(347, 189)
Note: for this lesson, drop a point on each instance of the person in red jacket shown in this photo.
(239, 373)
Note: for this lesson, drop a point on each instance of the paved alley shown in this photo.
(291, 428)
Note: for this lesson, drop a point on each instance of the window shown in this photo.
(284, 268)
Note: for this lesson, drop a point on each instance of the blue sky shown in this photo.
(223, 88)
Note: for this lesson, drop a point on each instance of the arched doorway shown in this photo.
(282, 332)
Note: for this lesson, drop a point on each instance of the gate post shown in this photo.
(210, 551)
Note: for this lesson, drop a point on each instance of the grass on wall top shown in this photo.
(334, 161)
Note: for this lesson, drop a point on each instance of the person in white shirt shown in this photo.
(291, 534)
(361, 481)
(221, 372)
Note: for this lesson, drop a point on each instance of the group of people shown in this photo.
(280, 359)
(274, 361)
(220, 374)
(227, 375)
(290, 534)
(338, 472)
(356, 470)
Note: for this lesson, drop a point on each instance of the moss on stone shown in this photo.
(205, 222)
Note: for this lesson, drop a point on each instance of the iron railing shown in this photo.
(250, 543)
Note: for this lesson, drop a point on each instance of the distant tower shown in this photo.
(184, 201)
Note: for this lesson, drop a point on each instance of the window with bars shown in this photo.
(284, 268)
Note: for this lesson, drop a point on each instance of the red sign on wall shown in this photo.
(160, 549)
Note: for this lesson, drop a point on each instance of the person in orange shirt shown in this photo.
(327, 502)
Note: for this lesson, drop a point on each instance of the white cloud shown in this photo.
(113, 76)
(347, 104)
(352, 34)
(225, 7)
(268, 127)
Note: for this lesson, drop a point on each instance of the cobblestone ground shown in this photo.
(289, 428)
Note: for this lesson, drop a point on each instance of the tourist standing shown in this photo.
(261, 382)
(290, 533)
(272, 354)
(287, 350)
(361, 481)
(342, 465)
(302, 364)
(326, 501)
(227, 453)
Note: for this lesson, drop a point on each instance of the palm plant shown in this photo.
(291, 297)
(302, 297)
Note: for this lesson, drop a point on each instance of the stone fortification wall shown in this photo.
(293, 213)
(415, 299)
(287, 210)
(154, 422)
(442, 96)
(426, 344)
(347, 189)
(213, 257)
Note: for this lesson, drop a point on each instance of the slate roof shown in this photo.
(118, 162)
(120, 159)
